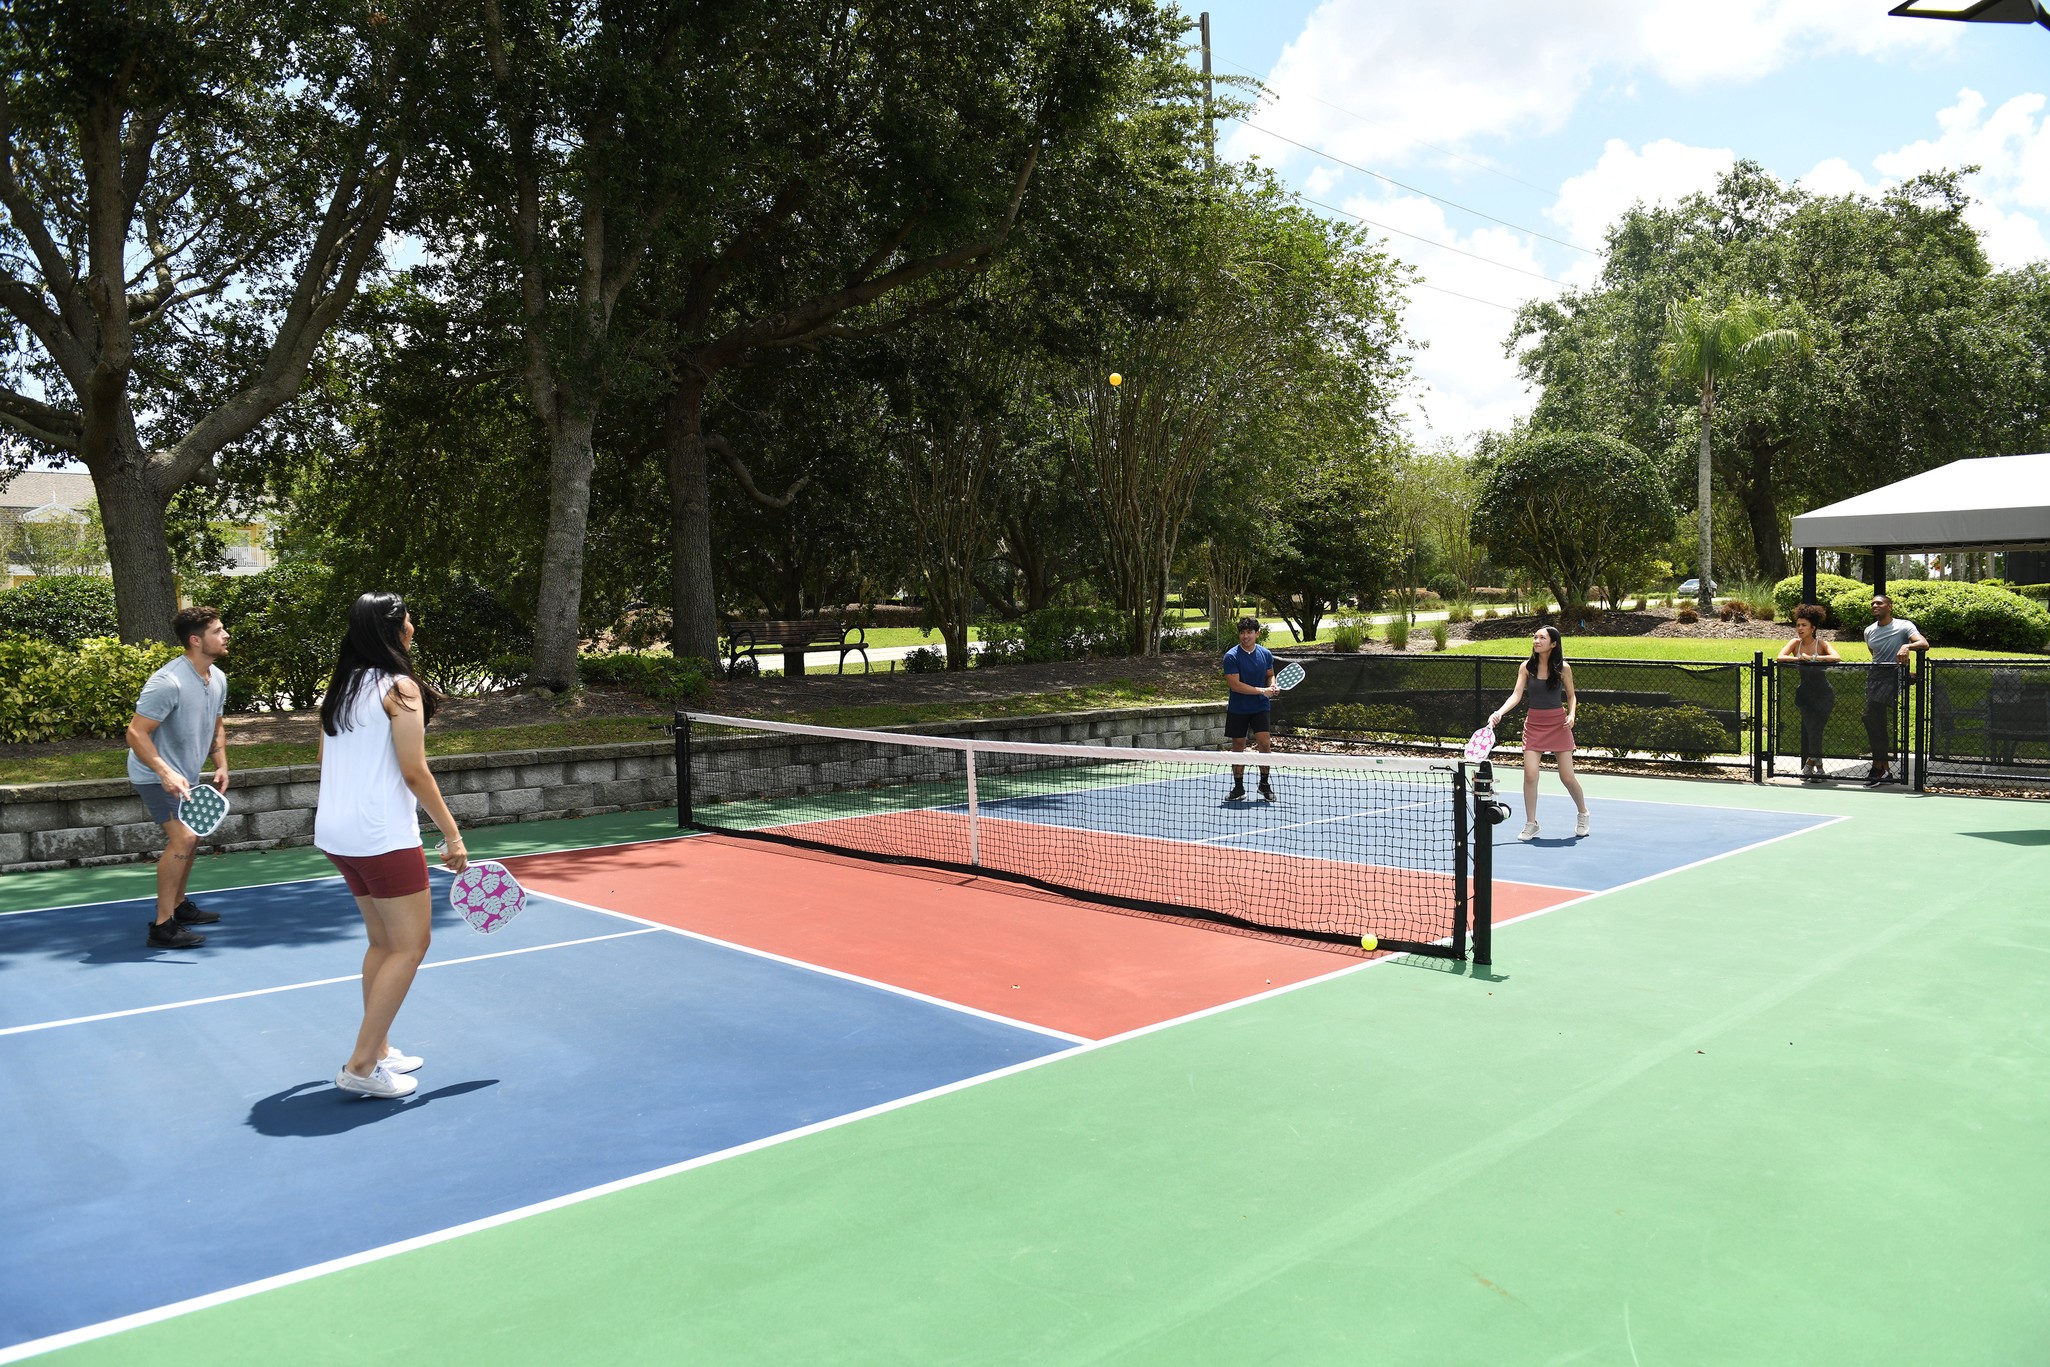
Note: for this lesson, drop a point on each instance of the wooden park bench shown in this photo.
(745, 642)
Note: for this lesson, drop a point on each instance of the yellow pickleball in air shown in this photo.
(1116, 379)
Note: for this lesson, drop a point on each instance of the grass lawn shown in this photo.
(1706, 649)
(111, 762)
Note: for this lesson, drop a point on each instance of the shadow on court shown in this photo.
(312, 1110)
(2012, 837)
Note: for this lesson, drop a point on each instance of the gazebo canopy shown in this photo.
(1997, 503)
(1976, 11)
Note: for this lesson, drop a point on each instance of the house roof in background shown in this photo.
(46, 489)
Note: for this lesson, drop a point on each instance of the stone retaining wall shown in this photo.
(51, 825)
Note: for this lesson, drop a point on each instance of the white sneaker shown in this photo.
(396, 1062)
(382, 1082)
(1580, 824)
(1529, 831)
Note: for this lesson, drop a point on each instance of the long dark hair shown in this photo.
(1558, 658)
(374, 641)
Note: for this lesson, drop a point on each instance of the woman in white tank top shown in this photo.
(373, 781)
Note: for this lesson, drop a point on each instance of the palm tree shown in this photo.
(1705, 345)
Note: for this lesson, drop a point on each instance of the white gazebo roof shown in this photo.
(1993, 503)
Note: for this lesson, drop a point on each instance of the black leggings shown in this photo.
(1879, 730)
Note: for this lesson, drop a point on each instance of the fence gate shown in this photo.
(1831, 720)
(1985, 720)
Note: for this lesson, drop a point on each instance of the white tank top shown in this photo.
(365, 806)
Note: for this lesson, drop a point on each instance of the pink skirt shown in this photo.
(1544, 728)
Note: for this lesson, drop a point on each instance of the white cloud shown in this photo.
(2010, 145)
(1661, 172)
(1321, 179)
(1454, 74)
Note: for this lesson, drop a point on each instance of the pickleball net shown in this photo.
(1351, 846)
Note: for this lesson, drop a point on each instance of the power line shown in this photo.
(1441, 246)
(1400, 185)
(1354, 114)
(1471, 299)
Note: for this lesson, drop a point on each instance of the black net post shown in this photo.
(1484, 864)
(681, 731)
(1463, 826)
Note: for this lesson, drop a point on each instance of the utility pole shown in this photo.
(1209, 129)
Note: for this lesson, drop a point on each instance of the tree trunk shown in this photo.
(1761, 509)
(1703, 492)
(693, 598)
(138, 553)
(557, 635)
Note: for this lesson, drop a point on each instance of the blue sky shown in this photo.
(1556, 117)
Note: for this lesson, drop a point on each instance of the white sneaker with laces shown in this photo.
(1580, 824)
(1529, 831)
(382, 1082)
(396, 1062)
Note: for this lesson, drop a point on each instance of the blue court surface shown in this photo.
(158, 1155)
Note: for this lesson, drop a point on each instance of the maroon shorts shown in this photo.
(1544, 729)
(395, 873)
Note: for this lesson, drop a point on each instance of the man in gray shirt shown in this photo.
(177, 724)
(1890, 638)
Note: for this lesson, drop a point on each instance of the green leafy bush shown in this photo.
(1619, 729)
(663, 678)
(1955, 614)
(57, 692)
(1398, 631)
(1056, 634)
(1786, 595)
(2039, 592)
(926, 660)
(65, 608)
(1387, 719)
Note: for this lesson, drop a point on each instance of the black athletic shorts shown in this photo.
(1238, 724)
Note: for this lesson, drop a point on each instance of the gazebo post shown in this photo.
(1878, 570)
(1808, 574)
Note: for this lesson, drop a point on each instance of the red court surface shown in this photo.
(1029, 956)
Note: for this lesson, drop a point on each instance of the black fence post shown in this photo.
(1919, 759)
(1758, 690)
(1484, 864)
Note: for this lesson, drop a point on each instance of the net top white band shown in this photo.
(1358, 765)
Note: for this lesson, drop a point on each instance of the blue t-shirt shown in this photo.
(1251, 667)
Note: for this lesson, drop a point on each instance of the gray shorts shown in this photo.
(160, 804)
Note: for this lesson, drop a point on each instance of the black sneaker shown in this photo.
(1874, 780)
(171, 935)
(1267, 791)
(1237, 793)
(191, 913)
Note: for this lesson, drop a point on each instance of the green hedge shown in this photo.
(1786, 595)
(663, 678)
(65, 608)
(1954, 614)
(1054, 634)
(59, 692)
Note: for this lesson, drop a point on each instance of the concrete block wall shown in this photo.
(99, 821)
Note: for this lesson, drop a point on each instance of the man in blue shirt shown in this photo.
(1890, 638)
(1249, 674)
(176, 727)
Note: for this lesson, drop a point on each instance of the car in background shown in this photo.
(1691, 588)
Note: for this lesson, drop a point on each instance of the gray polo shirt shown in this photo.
(1885, 642)
(185, 708)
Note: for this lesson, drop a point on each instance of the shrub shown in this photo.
(1690, 733)
(1346, 638)
(1388, 719)
(1786, 595)
(285, 626)
(1489, 595)
(1734, 610)
(1063, 634)
(927, 660)
(1765, 612)
(2039, 592)
(662, 678)
(1955, 614)
(56, 692)
(64, 608)
(1398, 632)
(1459, 612)
(1440, 631)
(1687, 616)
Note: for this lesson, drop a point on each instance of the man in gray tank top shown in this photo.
(1890, 639)
(176, 726)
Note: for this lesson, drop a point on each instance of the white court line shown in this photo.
(90, 1332)
(314, 982)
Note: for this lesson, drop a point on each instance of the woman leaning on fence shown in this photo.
(1814, 696)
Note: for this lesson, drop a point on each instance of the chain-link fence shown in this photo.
(1838, 721)
(1986, 720)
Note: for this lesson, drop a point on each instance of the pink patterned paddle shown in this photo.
(486, 895)
(1480, 743)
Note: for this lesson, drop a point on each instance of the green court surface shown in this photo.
(1788, 1106)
